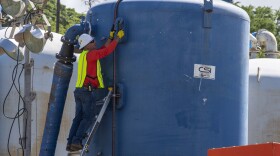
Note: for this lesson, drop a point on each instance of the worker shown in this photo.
(89, 80)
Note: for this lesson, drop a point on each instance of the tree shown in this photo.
(264, 18)
(68, 16)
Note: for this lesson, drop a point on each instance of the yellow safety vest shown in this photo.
(82, 71)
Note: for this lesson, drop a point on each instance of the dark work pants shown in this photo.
(84, 115)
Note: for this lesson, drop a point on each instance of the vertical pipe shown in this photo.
(57, 15)
(114, 107)
(63, 70)
(61, 79)
(114, 89)
(28, 102)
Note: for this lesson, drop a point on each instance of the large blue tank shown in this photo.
(168, 109)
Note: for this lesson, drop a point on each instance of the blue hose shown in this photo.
(60, 84)
(61, 78)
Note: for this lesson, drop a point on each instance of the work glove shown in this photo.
(112, 32)
(120, 34)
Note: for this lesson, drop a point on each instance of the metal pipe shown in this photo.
(114, 89)
(28, 104)
(60, 84)
(267, 40)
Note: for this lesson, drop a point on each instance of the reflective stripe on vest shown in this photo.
(99, 75)
(82, 71)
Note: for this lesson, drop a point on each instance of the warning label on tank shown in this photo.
(204, 71)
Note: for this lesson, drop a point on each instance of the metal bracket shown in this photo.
(120, 96)
(30, 64)
(31, 97)
(116, 95)
(22, 139)
(208, 9)
(259, 75)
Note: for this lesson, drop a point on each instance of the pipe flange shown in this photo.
(69, 42)
(65, 59)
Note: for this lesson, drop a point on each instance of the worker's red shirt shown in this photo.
(92, 57)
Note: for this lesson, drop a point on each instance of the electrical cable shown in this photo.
(9, 137)
(21, 143)
(14, 74)
(5, 34)
(27, 17)
(32, 78)
(21, 111)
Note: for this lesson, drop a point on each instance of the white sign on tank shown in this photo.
(204, 71)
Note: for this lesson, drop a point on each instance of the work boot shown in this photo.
(76, 147)
(68, 148)
(85, 135)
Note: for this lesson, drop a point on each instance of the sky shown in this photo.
(275, 4)
(80, 6)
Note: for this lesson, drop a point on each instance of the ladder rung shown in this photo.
(99, 103)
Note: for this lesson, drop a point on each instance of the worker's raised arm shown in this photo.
(107, 43)
(101, 53)
(94, 55)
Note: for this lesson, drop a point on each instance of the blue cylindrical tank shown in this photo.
(184, 71)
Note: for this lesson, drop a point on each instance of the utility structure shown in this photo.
(33, 40)
(263, 43)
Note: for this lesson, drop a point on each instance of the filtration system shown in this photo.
(180, 77)
(184, 68)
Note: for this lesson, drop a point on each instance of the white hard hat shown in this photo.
(84, 39)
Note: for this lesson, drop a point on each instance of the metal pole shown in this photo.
(28, 100)
(114, 88)
(57, 15)
(114, 108)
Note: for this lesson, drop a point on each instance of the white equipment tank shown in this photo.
(264, 90)
(264, 100)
